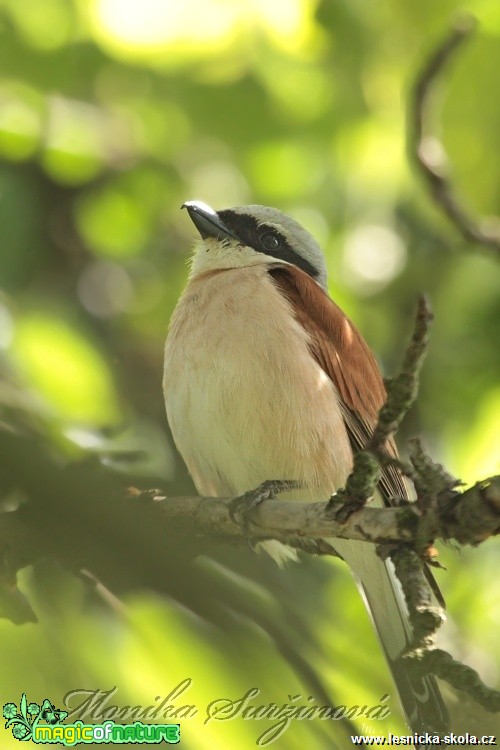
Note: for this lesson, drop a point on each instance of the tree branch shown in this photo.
(469, 517)
(401, 394)
(427, 151)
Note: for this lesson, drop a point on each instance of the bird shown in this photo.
(267, 379)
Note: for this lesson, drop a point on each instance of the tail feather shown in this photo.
(420, 698)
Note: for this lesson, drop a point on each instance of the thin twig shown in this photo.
(460, 676)
(420, 142)
(403, 389)
(401, 394)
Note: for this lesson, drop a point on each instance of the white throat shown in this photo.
(211, 254)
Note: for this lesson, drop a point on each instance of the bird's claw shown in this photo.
(241, 508)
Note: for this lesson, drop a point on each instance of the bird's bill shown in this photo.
(207, 221)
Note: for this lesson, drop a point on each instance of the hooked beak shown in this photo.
(207, 221)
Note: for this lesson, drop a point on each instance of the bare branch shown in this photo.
(401, 394)
(460, 676)
(469, 517)
(423, 147)
(426, 618)
(403, 389)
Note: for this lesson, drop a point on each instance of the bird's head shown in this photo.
(253, 235)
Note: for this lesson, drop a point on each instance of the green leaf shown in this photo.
(24, 706)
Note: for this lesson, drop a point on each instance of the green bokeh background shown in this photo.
(114, 112)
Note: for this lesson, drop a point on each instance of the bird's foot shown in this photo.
(340, 509)
(241, 509)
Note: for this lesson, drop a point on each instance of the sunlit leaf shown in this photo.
(65, 368)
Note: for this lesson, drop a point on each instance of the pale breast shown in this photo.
(245, 399)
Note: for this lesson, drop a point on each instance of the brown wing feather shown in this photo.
(345, 357)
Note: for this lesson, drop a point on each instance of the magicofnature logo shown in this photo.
(24, 721)
(44, 725)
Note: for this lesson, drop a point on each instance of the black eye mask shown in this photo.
(264, 239)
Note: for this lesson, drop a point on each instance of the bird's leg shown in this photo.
(241, 508)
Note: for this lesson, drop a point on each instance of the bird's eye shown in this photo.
(269, 241)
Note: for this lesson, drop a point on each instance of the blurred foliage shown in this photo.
(112, 113)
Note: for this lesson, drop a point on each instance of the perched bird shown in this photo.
(267, 379)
